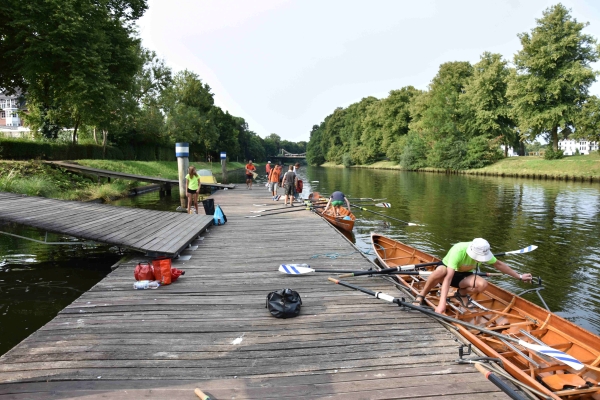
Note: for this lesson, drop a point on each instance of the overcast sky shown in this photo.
(285, 65)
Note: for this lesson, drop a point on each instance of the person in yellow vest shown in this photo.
(192, 185)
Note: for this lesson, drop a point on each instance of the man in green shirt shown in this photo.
(457, 271)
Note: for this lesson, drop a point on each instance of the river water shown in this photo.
(562, 218)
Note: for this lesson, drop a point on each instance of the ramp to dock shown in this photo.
(131, 177)
(156, 233)
(211, 330)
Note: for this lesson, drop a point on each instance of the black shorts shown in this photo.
(459, 276)
(192, 191)
(249, 177)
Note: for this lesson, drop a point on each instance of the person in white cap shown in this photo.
(457, 271)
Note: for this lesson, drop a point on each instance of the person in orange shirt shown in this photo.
(274, 180)
(250, 168)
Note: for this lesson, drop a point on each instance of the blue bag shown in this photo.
(219, 217)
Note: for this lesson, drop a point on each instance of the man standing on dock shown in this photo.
(289, 183)
(250, 168)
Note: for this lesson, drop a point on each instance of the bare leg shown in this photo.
(196, 203)
(434, 279)
(189, 202)
(472, 285)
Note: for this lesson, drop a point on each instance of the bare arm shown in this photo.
(505, 269)
(347, 202)
(327, 206)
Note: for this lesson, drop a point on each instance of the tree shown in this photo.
(187, 103)
(553, 75)
(70, 57)
(588, 120)
(484, 103)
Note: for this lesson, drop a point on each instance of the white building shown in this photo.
(11, 124)
(570, 146)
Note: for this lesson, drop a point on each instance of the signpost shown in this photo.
(224, 166)
(182, 151)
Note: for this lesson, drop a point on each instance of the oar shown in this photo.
(403, 268)
(299, 269)
(546, 350)
(275, 213)
(490, 376)
(386, 216)
(365, 199)
(403, 272)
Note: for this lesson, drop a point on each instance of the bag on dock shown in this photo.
(143, 272)
(285, 303)
(162, 270)
(209, 206)
(219, 218)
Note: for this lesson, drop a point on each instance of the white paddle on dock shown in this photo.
(301, 269)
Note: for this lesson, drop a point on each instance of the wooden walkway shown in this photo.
(121, 175)
(210, 329)
(152, 232)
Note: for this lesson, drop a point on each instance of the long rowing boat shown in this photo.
(344, 220)
(504, 312)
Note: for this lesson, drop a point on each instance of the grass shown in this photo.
(35, 178)
(580, 166)
(162, 169)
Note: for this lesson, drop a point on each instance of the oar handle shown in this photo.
(490, 376)
(201, 394)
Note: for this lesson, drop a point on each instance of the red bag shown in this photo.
(299, 186)
(162, 270)
(176, 273)
(143, 272)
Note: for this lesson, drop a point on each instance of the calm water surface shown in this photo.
(37, 281)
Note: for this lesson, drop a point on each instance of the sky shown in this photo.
(284, 65)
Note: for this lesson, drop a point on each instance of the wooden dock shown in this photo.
(154, 233)
(211, 330)
(103, 173)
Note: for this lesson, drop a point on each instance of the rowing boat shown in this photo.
(504, 312)
(344, 220)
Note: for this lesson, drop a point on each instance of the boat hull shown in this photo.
(509, 314)
(339, 222)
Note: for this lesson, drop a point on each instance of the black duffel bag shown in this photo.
(284, 303)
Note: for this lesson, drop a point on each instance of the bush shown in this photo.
(414, 154)
(347, 160)
(19, 149)
(550, 154)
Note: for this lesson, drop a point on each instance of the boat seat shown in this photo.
(559, 381)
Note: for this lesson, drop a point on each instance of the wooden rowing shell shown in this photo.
(507, 313)
(339, 222)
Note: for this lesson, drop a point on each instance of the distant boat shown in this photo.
(206, 176)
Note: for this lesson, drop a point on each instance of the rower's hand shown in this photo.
(441, 308)
(527, 278)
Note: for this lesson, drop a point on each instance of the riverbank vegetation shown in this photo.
(471, 114)
(86, 79)
(34, 178)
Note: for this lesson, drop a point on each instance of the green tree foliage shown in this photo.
(588, 120)
(484, 104)
(553, 75)
(71, 57)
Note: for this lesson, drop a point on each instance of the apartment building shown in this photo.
(570, 146)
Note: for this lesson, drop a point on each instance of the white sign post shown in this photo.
(224, 166)
(182, 151)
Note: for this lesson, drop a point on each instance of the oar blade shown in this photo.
(384, 205)
(294, 269)
(556, 354)
(523, 250)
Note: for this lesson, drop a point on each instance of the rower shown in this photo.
(459, 264)
(337, 200)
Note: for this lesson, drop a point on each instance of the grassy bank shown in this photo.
(35, 178)
(574, 167)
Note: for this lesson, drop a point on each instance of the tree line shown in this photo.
(79, 65)
(469, 113)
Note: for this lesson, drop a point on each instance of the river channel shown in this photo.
(562, 218)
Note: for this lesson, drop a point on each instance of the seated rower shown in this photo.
(457, 271)
(337, 200)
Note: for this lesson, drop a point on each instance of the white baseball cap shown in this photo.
(479, 250)
(268, 162)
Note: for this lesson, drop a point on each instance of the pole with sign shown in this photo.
(182, 151)
(224, 166)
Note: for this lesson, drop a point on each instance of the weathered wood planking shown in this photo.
(115, 342)
(131, 177)
(149, 231)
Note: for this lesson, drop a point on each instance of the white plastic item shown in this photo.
(140, 285)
